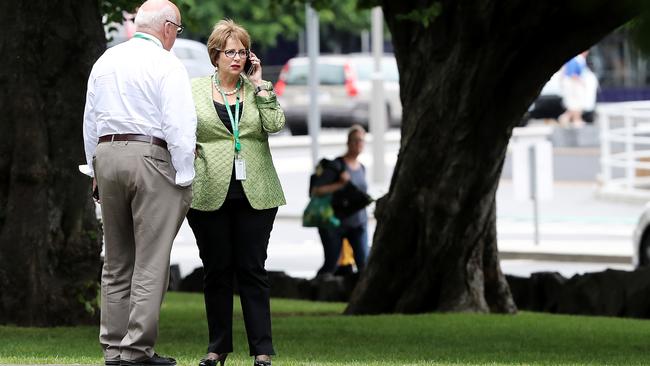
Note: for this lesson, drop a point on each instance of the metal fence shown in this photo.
(625, 150)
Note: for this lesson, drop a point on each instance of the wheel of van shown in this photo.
(298, 130)
(644, 250)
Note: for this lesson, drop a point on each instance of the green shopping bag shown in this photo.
(319, 213)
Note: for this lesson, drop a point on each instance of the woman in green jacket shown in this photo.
(236, 191)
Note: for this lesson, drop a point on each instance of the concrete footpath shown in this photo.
(575, 225)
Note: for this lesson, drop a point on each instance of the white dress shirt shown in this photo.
(138, 87)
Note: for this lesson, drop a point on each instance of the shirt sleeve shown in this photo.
(179, 122)
(90, 125)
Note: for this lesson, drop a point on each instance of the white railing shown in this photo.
(625, 150)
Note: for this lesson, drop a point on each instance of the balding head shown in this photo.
(153, 14)
(152, 17)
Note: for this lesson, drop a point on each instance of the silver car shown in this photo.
(194, 56)
(344, 93)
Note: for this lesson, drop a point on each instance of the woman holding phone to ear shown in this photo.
(236, 191)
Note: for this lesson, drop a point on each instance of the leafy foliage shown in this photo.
(423, 16)
(345, 16)
(639, 30)
(265, 20)
(113, 9)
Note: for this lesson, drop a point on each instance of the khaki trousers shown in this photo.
(142, 210)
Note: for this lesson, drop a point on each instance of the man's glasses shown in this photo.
(179, 28)
(243, 53)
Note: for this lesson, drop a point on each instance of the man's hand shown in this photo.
(96, 191)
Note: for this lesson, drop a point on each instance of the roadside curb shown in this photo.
(565, 257)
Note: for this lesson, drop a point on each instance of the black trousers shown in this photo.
(232, 242)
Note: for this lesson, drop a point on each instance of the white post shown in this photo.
(629, 151)
(605, 150)
(532, 169)
(313, 49)
(532, 165)
(378, 104)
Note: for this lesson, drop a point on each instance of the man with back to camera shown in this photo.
(139, 137)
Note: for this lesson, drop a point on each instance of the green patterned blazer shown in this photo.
(216, 149)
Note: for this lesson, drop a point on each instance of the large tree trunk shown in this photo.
(50, 240)
(465, 81)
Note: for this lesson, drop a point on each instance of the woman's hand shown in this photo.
(344, 178)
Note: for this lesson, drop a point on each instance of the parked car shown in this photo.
(194, 55)
(344, 93)
(641, 239)
(548, 104)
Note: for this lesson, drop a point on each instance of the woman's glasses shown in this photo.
(243, 53)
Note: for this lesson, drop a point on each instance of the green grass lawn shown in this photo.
(311, 333)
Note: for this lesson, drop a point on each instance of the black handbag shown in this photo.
(348, 200)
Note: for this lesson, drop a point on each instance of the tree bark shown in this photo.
(50, 240)
(465, 79)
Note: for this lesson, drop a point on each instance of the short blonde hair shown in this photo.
(223, 30)
(355, 128)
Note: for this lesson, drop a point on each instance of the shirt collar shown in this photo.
(148, 37)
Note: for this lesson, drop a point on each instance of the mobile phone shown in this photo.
(248, 66)
(96, 193)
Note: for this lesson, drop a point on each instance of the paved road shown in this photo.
(297, 250)
(574, 224)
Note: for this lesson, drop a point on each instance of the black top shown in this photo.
(330, 172)
(235, 189)
(357, 178)
(223, 113)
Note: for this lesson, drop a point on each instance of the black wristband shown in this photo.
(259, 88)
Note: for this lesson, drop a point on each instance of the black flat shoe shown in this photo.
(261, 363)
(155, 360)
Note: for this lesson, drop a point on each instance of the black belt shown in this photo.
(134, 137)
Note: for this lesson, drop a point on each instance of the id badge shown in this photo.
(240, 169)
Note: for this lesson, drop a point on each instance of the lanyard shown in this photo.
(148, 37)
(233, 121)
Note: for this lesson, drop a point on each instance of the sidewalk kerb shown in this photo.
(566, 257)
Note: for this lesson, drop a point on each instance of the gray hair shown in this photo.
(154, 19)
